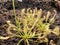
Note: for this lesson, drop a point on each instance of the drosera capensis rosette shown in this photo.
(25, 33)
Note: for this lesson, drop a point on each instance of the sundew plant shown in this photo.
(22, 25)
(25, 25)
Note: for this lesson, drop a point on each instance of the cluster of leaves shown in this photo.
(30, 25)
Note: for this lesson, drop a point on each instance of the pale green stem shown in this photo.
(19, 41)
(16, 20)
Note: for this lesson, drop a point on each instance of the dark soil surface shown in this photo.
(6, 13)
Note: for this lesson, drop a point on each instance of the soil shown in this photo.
(6, 13)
